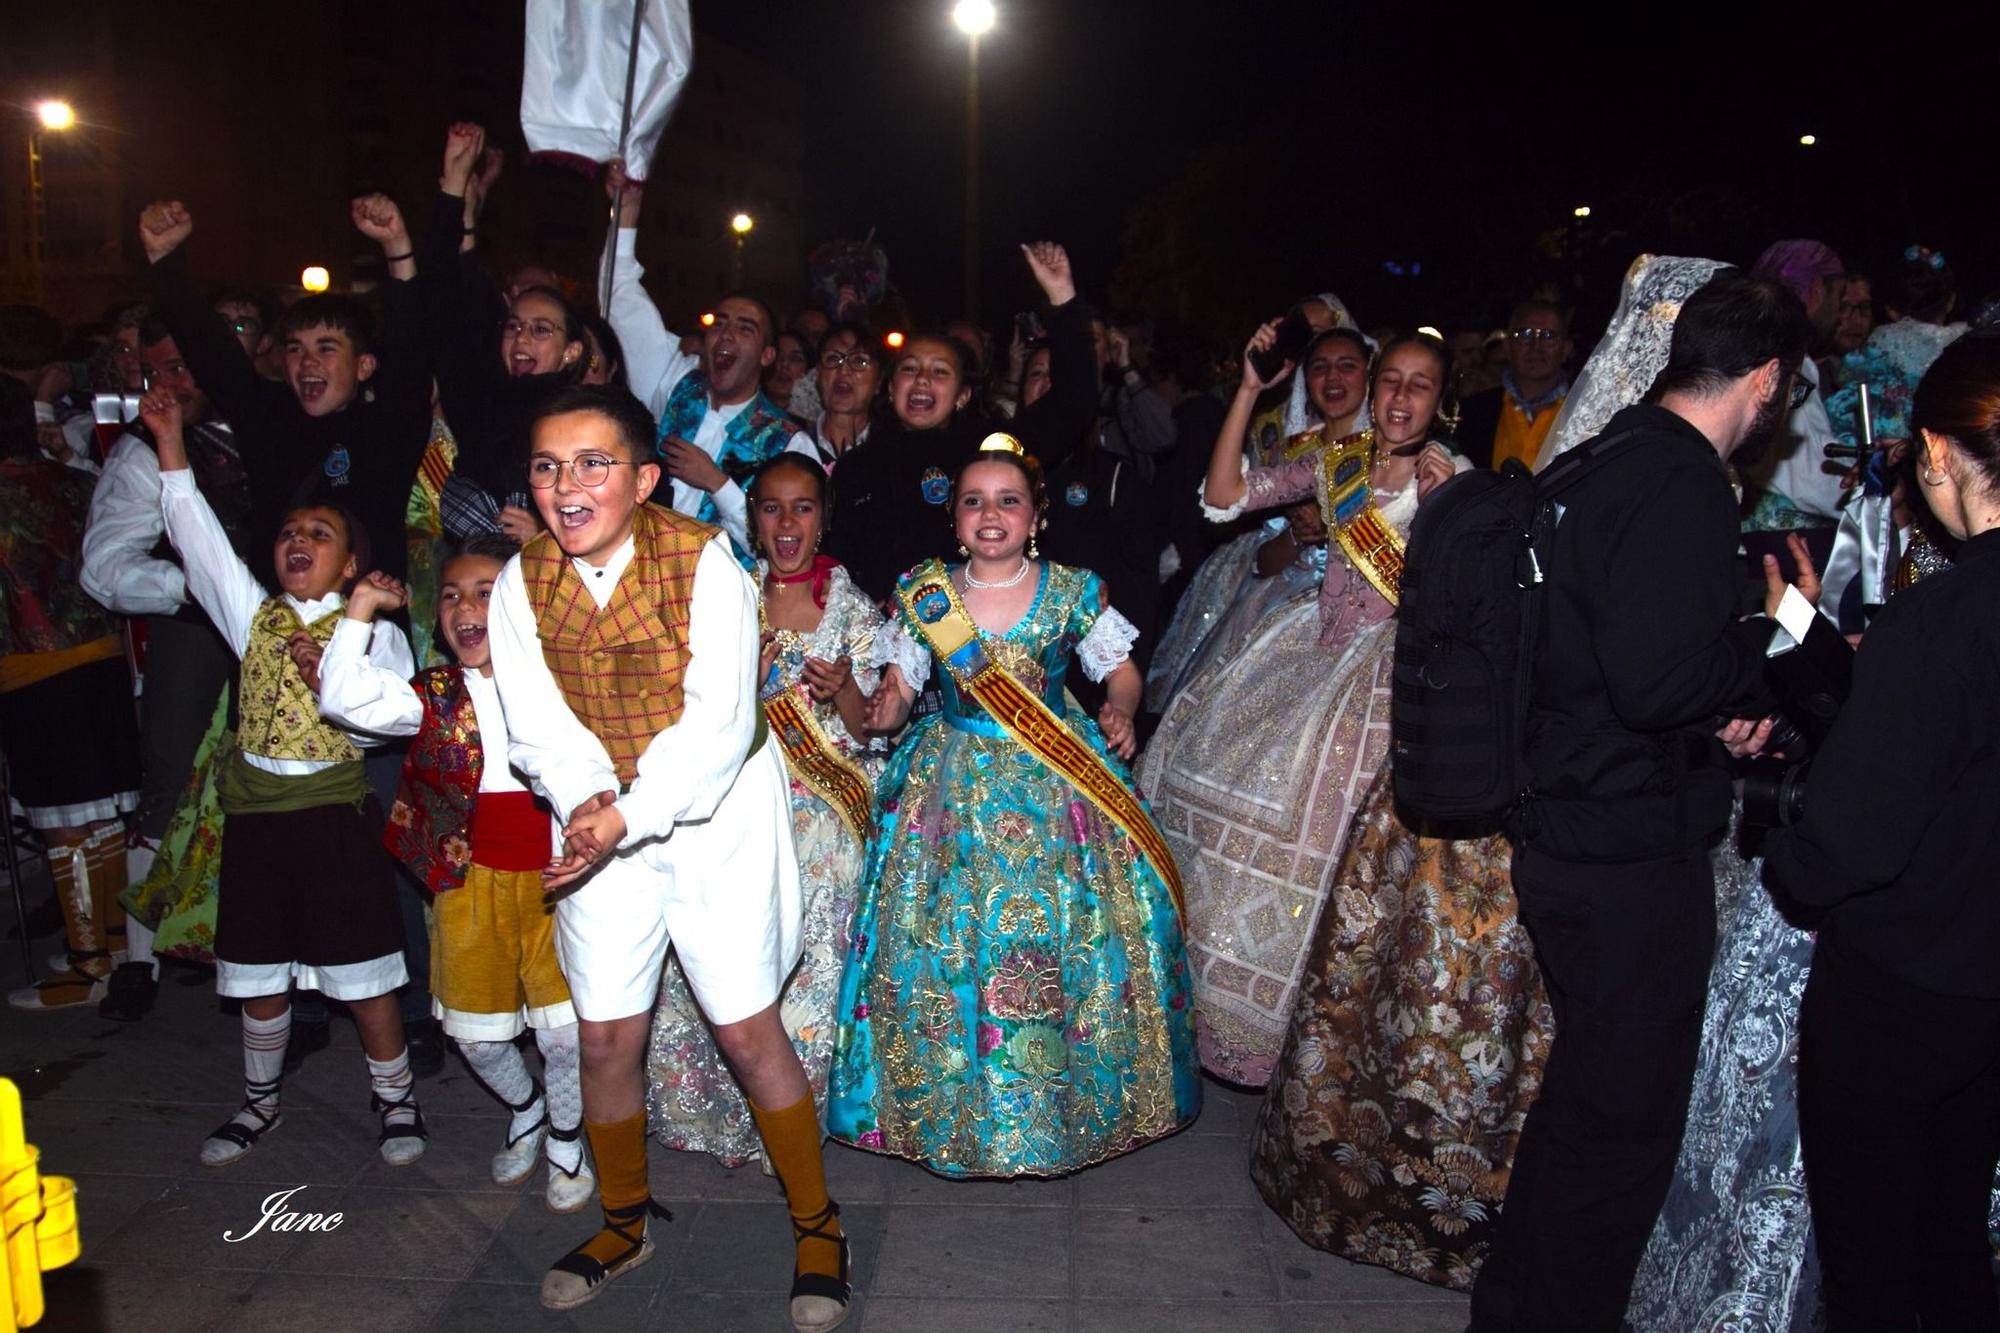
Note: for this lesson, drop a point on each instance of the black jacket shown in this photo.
(1478, 423)
(1641, 652)
(1900, 836)
(890, 493)
(363, 457)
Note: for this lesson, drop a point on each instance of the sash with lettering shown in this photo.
(814, 759)
(933, 605)
(1370, 542)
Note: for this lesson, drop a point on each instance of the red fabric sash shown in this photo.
(510, 831)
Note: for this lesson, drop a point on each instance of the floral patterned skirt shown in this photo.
(1016, 1001)
(1412, 1057)
(693, 1103)
(178, 897)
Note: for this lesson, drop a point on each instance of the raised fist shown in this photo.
(162, 227)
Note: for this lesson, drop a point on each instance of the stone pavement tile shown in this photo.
(1186, 1171)
(309, 1301)
(748, 1247)
(696, 1175)
(405, 1233)
(1307, 1274)
(1178, 1316)
(955, 1251)
(1171, 1254)
(87, 1297)
(1218, 1113)
(532, 1238)
(854, 1176)
(733, 1312)
(183, 1226)
(115, 1062)
(1379, 1317)
(478, 1307)
(458, 1158)
(906, 1182)
(106, 1202)
(140, 1138)
(888, 1314)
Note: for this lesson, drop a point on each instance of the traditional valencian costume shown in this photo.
(693, 1101)
(1017, 999)
(473, 834)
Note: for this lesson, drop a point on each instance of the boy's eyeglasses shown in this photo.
(855, 361)
(589, 470)
(1534, 335)
(540, 330)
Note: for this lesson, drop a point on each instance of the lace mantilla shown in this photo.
(895, 648)
(1633, 351)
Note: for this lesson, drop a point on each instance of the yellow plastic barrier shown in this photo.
(38, 1213)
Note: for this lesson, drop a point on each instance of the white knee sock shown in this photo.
(264, 1041)
(498, 1064)
(393, 1082)
(562, 1073)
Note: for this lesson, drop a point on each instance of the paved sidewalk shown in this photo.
(1173, 1237)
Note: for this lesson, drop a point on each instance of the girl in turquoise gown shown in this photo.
(1016, 1001)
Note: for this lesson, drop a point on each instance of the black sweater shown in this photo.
(890, 507)
(363, 457)
(1641, 650)
(1900, 836)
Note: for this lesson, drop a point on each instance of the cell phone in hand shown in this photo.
(1293, 335)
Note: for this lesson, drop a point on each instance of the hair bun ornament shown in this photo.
(1923, 254)
(1000, 442)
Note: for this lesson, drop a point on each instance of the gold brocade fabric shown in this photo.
(278, 716)
(1412, 1056)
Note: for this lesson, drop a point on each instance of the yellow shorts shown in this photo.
(493, 957)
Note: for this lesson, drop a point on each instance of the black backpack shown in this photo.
(1468, 618)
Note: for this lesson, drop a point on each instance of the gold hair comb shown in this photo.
(1000, 442)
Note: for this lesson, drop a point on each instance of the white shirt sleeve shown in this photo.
(356, 694)
(561, 758)
(119, 567)
(218, 580)
(1802, 473)
(654, 362)
(732, 510)
(688, 768)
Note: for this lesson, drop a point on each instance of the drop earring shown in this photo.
(963, 554)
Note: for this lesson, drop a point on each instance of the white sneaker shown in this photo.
(569, 1193)
(516, 1162)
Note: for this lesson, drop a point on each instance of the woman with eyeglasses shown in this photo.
(847, 374)
(498, 359)
(891, 507)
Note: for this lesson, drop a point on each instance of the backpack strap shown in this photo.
(1577, 464)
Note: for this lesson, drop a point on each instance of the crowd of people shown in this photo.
(704, 704)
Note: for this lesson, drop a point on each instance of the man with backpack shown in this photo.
(1639, 658)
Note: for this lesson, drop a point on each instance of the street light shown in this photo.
(1808, 140)
(1581, 210)
(315, 279)
(975, 18)
(55, 114)
(52, 116)
(742, 225)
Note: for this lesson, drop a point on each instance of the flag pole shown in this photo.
(624, 131)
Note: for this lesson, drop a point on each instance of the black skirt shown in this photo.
(72, 739)
(308, 886)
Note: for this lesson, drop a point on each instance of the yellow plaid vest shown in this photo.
(277, 712)
(620, 669)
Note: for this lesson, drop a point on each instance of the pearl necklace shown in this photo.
(1019, 574)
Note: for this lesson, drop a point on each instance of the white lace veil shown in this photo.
(1633, 352)
(1300, 415)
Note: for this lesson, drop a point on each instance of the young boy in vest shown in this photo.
(473, 834)
(308, 896)
(625, 645)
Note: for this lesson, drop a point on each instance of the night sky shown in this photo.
(1313, 144)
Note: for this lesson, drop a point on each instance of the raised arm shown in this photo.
(654, 362)
(206, 343)
(1224, 491)
(119, 567)
(356, 692)
(1053, 427)
(220, 583)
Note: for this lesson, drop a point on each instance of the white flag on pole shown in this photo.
(573, 76)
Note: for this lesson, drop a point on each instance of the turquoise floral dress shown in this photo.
(1016, 1001)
